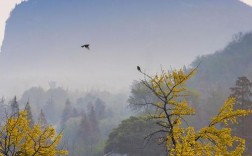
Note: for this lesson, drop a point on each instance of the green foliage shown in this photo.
(129, 138)
(140, 95)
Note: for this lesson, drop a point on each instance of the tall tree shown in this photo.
(89, 132)
(242, 92)
(2, 101)
(172, 110)
(29, 113)
(94, 125)
(67, 112)
(42, 119)
(129, 138)
(140, 95)
(85, 128)
(18, 139)
(99, 108)
(14, 107)
(83, 137)
(3, 107)
(50, 109)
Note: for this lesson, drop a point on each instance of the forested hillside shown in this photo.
(222, 68)
(218, 72)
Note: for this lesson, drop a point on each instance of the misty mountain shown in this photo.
(220, 70)
(43, 38)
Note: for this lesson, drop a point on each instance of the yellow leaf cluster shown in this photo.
(170, 88)
(210, 140)
(183, 140)
(17, 138)
(227, 113)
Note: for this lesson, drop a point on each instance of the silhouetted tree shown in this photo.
(95, 131)
(242, 93)
(99, 108)
(83, 136)
(140, 95)
(3, 107)
(51, 110)
(129, 138)
(29, 113)
(84, 129)
(89, 133)
(2, 101)
(67, 112)
(14, 107)
(42, 119)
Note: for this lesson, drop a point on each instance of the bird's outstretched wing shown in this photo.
(85, 46)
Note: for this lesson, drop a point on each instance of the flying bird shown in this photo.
(85, 46)
(138, 68)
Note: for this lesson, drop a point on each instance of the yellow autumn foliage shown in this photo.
(181, 139)
(17, 138)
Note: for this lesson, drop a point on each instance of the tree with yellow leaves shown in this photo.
(171, 110)
(17, 138)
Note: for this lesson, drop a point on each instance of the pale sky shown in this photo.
(6, 6)
(107, 64)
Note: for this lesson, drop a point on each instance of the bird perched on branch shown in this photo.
(85, 46)
(138, 68)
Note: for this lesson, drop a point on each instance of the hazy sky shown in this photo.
(6, 6)
(43, 37)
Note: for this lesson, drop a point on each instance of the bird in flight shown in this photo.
(85, 46)
(138, 68)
